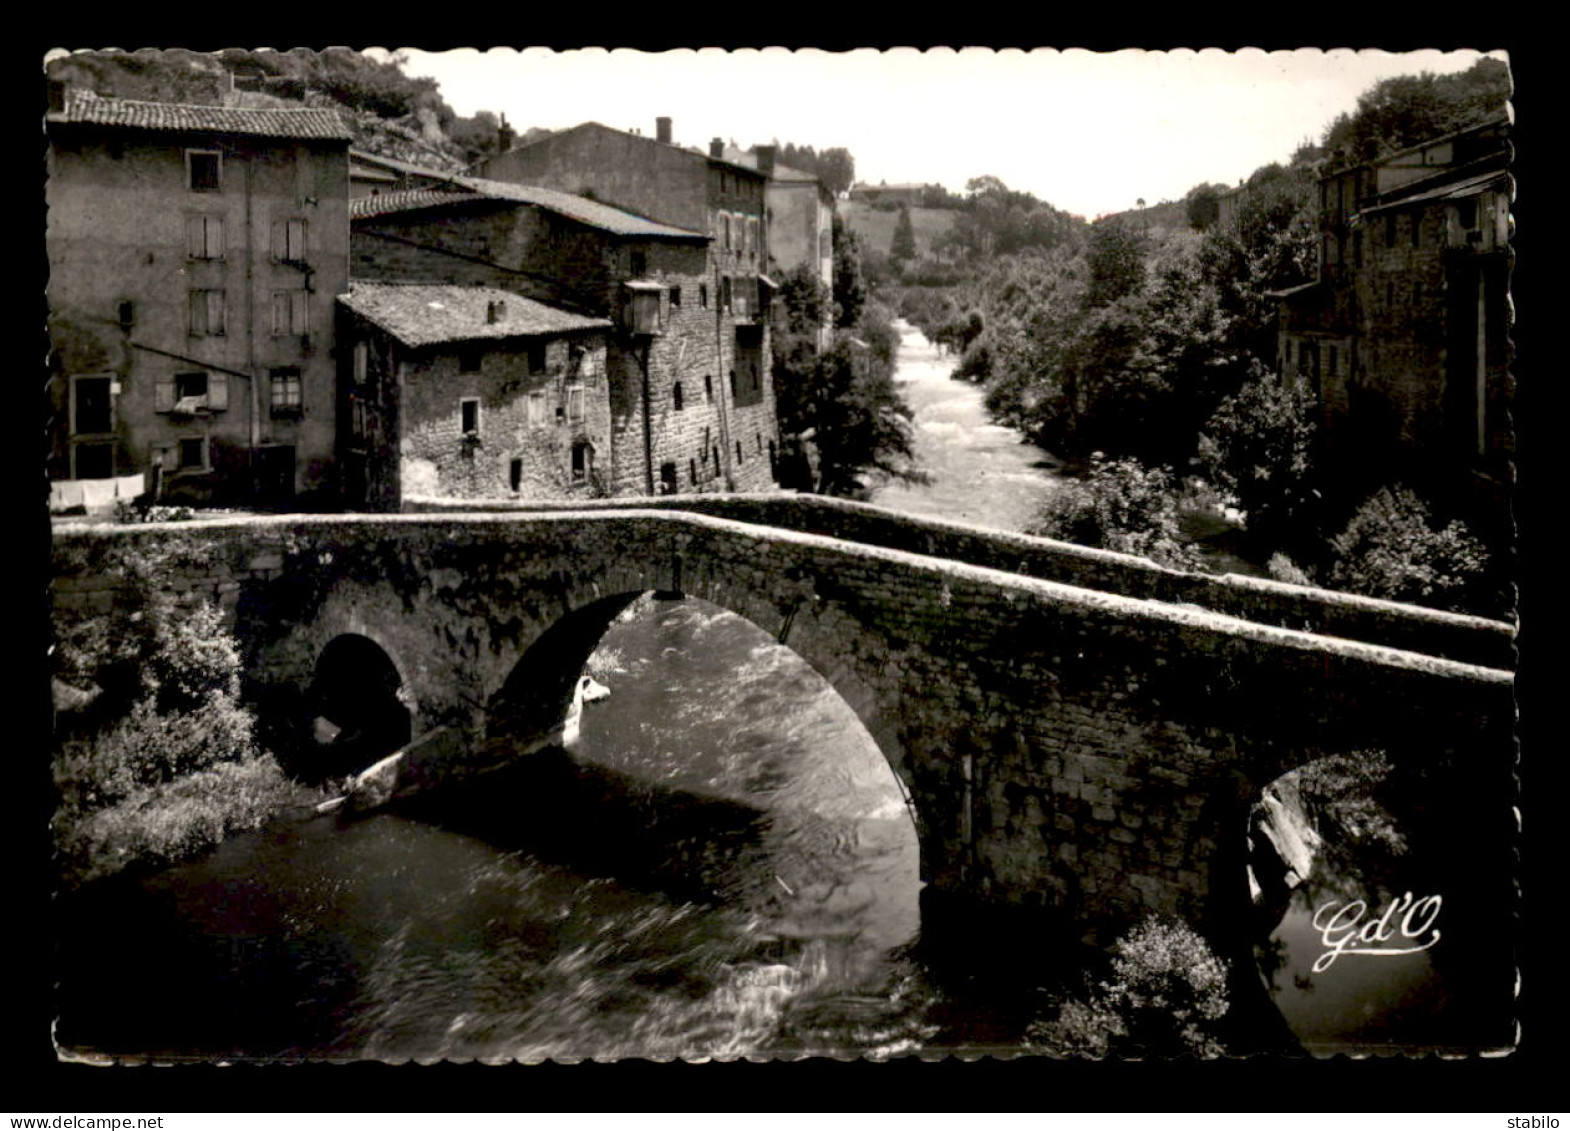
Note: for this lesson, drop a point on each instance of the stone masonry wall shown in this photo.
(1469, 639)
(1065, 750)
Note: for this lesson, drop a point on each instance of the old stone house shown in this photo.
(1404, 334)
(800, 222)
(720, 344)
(470, 392)
(194, 254)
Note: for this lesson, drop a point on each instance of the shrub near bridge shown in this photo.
(157, 757)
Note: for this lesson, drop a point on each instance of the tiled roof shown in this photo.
(397, 166)
(428, 314)
(581, 209)
(408, 200)
(1451, 189)
(469, 189)
(309, 123)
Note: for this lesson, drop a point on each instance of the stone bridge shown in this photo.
(1077, 731)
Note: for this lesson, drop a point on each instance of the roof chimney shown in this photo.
(717, 149)
(494, 311)
(504, 136)
(766, 159)
(662, 129)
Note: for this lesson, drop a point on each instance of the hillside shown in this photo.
(390, 114)
(876, 227)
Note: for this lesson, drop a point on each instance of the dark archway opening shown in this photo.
(357, 713)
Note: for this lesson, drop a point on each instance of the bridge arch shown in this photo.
(357, 705)
(535, 698)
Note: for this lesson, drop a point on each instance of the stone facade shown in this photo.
(1066, 750)
(194, 255)
(678, 416)
(518, 416)
(651, 176)
(1405, 333)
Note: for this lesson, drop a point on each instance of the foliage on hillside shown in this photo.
(835, 168)
(391, 113)
(842, 401)
(1409, 109)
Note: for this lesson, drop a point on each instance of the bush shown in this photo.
(1258, 447)
(1120, 506)
(1392, 549)
(159, 824)
(1166, 993)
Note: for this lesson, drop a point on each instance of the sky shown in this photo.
(1088, 132)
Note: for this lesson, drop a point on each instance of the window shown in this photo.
(537, 408)
(92, 461)
(575, 404)
(470, 359)
(708, 386)
(752, 236)
(515, 474)
(362, 360)
(640, 264)
(188, 393)
(207, 314)
(536, 357)
(126, 313)
(1466, 214)
(289, 313)
(725, 230)
(92, 409)
(725, 293)
(667, 478)
(469, 416)
(582, 461)
(285, 392)
(675, 298)
(676, 397)
(716, 459)
(692, 471)
(359, 417)
(739, 457)
(204, 237)
(193, 454)
(703, 295)
(760, 443)
(204, 170)
(289, 241)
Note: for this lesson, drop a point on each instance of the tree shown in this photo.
(903, 248)
(1165, 996)
(850, 286)
(1408, 109)
(1202, 206)
(1259, 447)
(1392, 548)
(1119, 505)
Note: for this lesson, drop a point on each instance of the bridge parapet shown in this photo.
(1324, 612)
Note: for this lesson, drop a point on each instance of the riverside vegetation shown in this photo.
(156, 756)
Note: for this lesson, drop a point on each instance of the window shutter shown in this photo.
(280, 312)
(198, 313)
(297, 312)
(163, 394)
(217, 391)
(297, 240)
(215, 312)
(195, 236)
(215, 237)
(280, 239)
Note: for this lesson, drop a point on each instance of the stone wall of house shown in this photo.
(122, 271)
(528, 422)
